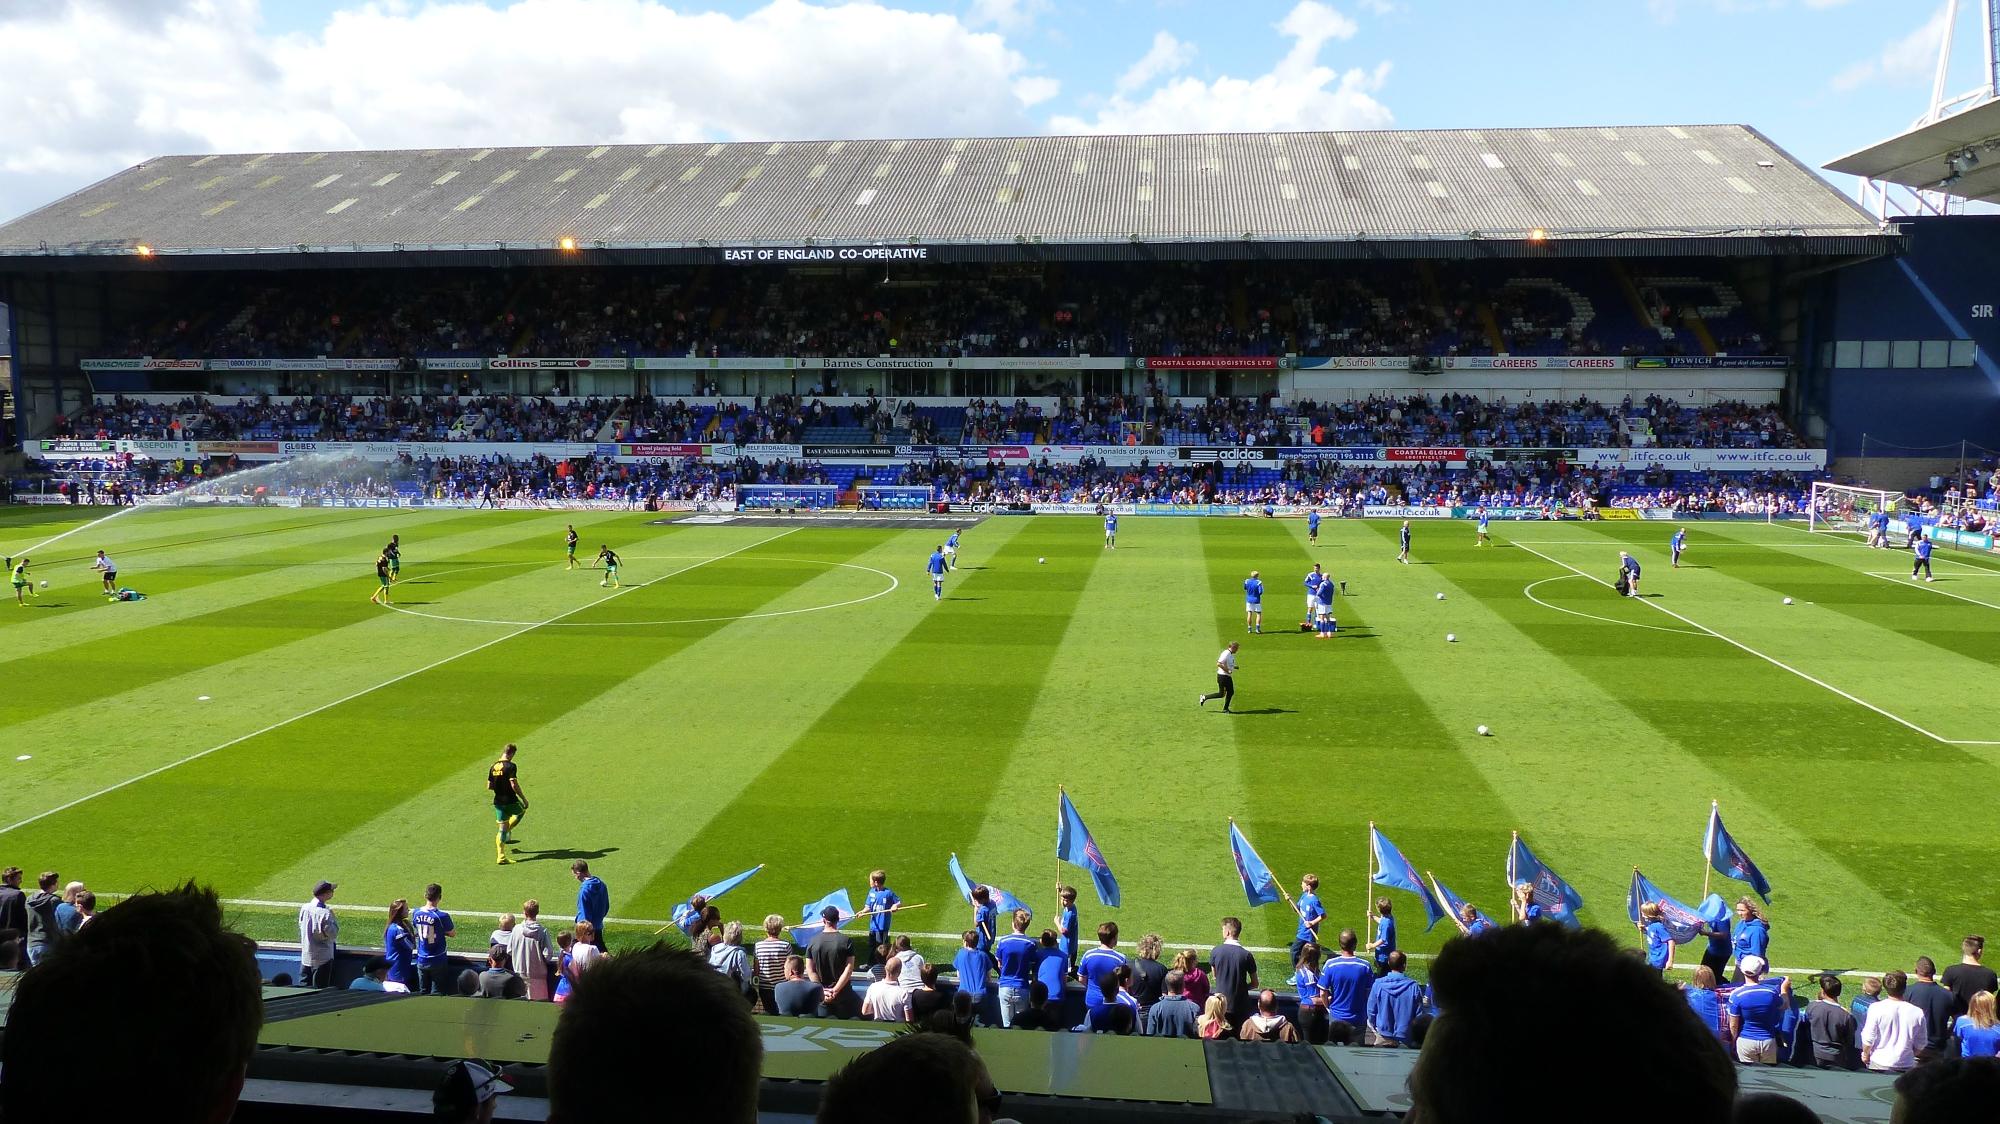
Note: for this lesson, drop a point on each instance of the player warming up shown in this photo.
(394, 553)
(1253, 603)
(381, 594)
(610, 559)
(1111, 531)
(569, 547)
(1483, 538)
(1403, 538)
(1923, 561)
(508, 804)
(1630, 566)
(936, 568)
(22, 588)
(1679, 542)
(1312, 527)
(1225, 679)
(951, 552)
(109, 569)
(1323, 622)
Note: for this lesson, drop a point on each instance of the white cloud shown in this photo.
(1007, 15)
(1907, 60)
(1299, 91)
(1167, 55)
(94, 87)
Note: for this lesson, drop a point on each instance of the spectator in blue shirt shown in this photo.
(399, 947)
(1705, 1003)
(1750, 937)
(975, 970)
(1978, 1030)
(434, 927)
(881, 905)
(1100, 962)
(593, 899)
(1393, 1003)
(1757, 1012)
(1345, 981)
(1016, 955)
(1310, 912)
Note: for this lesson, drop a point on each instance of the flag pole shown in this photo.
(1368, 882)
(1707, 847)
(1060, 793)
(1515, 909)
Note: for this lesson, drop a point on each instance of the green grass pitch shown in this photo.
(793, 696)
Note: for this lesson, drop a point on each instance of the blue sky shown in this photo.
(105, 83)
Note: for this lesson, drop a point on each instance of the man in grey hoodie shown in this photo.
(43, 932)
(531, 949)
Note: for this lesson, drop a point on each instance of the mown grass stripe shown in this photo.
(706, 745)
(324, 773)
(906, 762)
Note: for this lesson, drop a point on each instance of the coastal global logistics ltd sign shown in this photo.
(795, 255)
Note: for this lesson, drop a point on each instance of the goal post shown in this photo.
(1843, 508)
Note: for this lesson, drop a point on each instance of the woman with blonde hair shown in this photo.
(1659, 939)
(1526, 911)
(1977, 1029)
(1214, 1021)
(1194, 981)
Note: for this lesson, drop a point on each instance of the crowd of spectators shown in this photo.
(1451, 420)
(634, 1018)
(1155, 308)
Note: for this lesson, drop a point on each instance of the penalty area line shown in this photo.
(390, 682)
(1772, 660)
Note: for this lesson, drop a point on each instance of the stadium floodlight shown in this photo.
(143, 250)
(566, 244)
(1538, 236)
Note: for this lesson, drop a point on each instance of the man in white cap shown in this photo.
(317, 929)
(469, 1092)
(1756, 1012)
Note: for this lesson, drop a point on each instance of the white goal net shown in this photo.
(1845, 508)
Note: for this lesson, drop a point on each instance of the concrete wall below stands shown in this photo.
(1904, 473)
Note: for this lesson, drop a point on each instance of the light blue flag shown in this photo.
(1728, 859)
(1684, 922)
(683, 913)
(1398, 873)
(1558, 900)
(809, 919)
(1456, 904)
(1075, 846)
(1260, 886)
(1006, 902)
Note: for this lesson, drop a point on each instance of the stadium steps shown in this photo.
(1637, 302)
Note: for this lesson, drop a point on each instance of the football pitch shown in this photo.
(788, 693)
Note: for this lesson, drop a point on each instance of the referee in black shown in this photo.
(1225, 678)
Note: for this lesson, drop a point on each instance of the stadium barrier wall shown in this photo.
(974, 363)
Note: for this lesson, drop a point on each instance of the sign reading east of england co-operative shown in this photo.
(825, 255)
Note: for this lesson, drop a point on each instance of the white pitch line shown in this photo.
(433, 665)
(1904, 581)
(1772, 660)
(1529, 592)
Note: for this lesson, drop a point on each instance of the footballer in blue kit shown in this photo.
(1323, 622)
(1679, 543)
(1923, 559)
(1253, 603)
(951, 551)
(936, 568)
(1312, 590)
(1312, 527)
(1111, 531)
